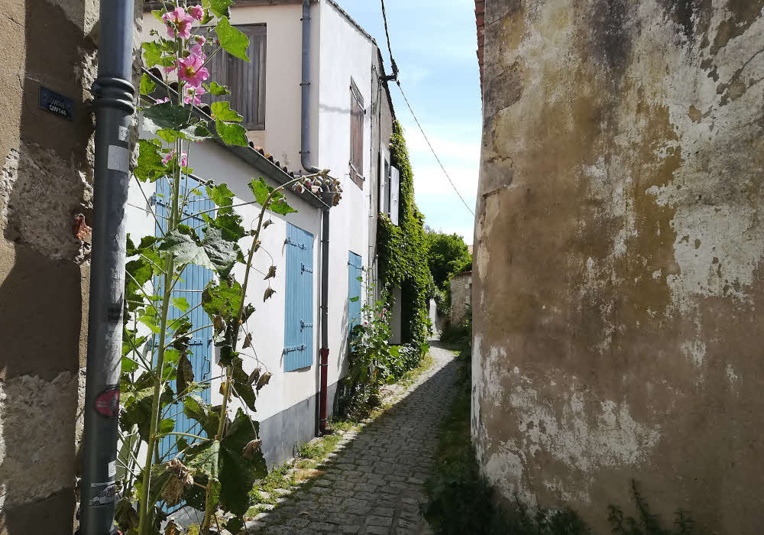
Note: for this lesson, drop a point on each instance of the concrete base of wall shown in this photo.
(283, 432)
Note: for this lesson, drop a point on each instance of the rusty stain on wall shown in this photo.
(618, 256)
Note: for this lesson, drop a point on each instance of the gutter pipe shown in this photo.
(113, 93)
(308, 167)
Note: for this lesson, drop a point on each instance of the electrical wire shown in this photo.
(467, 206)
(411, 109)
(389, 49)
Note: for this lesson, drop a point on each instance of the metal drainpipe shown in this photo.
(306, 164)
(113, 93)
(324, 297)
(305, 85)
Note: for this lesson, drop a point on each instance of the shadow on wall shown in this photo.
(44, 185)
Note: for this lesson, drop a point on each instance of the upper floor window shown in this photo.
(246, 80)
(357, 113)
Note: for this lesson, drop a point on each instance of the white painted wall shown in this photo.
(283, 74)
(345, 53)
(339, 52)
(213, 162)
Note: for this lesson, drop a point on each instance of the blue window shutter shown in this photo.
(193, 280)
(355, 279)
(298, 320)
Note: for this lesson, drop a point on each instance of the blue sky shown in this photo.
(434, 45)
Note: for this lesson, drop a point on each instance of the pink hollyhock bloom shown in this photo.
(197, 50)
(161, 100)
(197, 12)
(183, 159)
(190, 70)
(178, 23)
(194, 95)
(200, 39)
(168, 157)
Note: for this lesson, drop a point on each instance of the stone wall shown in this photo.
(44, 186)
(618, 257)
(461, 297)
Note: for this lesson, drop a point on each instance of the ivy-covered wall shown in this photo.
(403, 249)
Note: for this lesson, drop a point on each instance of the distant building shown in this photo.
(461, 297)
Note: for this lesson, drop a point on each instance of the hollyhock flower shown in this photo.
(168, 157)
(178, 23)
(200, 39)
(183, 159)
(196, 12)
(190, 70)
(197, 50)
(193, 95)
(161, 100)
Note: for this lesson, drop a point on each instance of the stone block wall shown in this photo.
(45, 189)
(618, 259)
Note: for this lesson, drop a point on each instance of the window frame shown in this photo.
(258, 120)
(357, 124)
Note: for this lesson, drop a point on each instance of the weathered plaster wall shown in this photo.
(618, 272)
(44, 185)
(461, 297)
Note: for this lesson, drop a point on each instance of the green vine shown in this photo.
(403, 251)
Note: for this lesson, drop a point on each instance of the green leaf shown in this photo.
(147, 84)
(221, 252)
(158, 15)
(280, 206)
(152, 53)
(222, 299)
(168, 115)
(180, 303)
(354, 299)
(197, 409)
(218, 7)
(195, 132)
(150, 166)
(228, 224)
(231, 134)
(260, 189)
(222, 110)
(238, 473)
(242, 384)
(232, 40)
(184, 247)
(217, 89)
(204, 458)
(222, 197)
(166, 426)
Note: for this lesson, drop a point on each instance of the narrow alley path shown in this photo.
(374, 485)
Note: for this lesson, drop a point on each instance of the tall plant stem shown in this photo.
(156, 405)
(208, 513)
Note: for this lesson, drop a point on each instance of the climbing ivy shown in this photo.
(403, 251)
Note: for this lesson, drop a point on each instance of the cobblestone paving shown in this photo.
(374, 484)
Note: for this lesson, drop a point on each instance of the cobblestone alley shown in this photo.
(374, 482)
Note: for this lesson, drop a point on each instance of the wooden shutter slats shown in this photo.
(246, 80)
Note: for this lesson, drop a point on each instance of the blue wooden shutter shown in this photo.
(355, 278)
(193, 281)
(298, 321)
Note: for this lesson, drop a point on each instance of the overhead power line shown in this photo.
(397, 80)
(467, 206)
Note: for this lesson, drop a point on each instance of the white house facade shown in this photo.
(349, 119)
